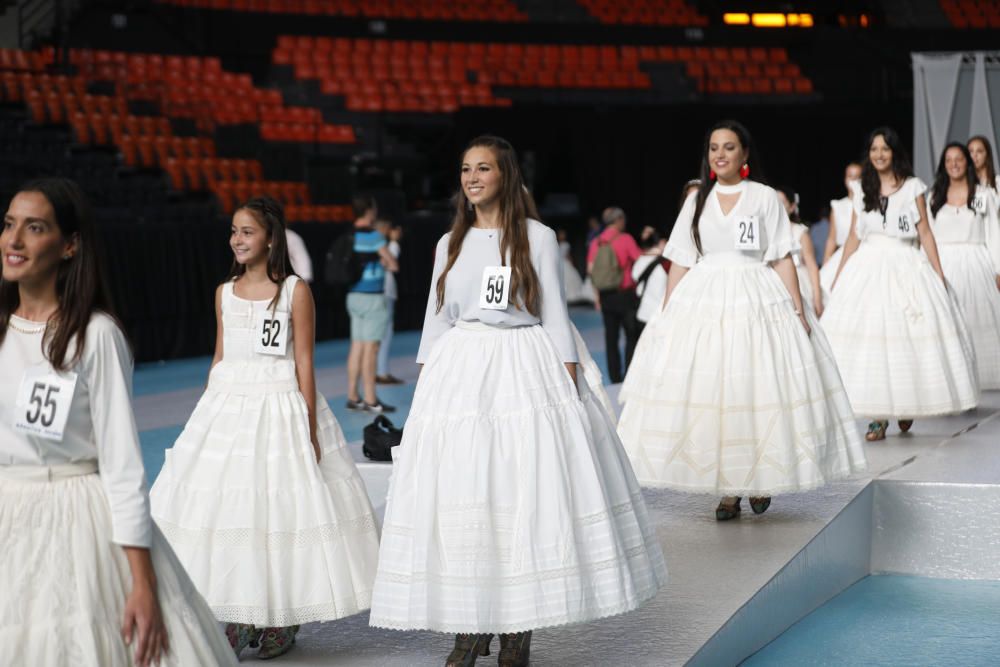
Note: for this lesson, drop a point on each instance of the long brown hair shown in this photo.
(991, 173)
(516, 206)
(270, 215)
(902, 169)
(80, 286)
(939, 189)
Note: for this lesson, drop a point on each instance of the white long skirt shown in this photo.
(268, 536)
(592, 374)
(898, 336)
(728, 395)
(512, 505)
(828, 273)
(972, 278)
(63, 582)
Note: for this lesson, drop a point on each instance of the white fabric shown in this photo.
(728, 395)
(902, 202)
(512, 505)
(898, 336)
(593, 376)
(268, 536)
(571, 277)
(971, 267)
(828, 273)
(842, 209)
(64, 582)
(801, 272)
(390, 290)
(717, 230)
(299, 256)
(480, 249)
(651, 294)
(100, 427)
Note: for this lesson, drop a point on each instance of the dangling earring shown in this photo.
(711, 174)
(744, 170)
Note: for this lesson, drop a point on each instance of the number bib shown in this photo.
(979, 204)
(270, 333)
(904, 223)
(495, 289)
(43, 401)
(746, 234)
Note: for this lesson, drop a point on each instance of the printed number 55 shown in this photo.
(48, 405)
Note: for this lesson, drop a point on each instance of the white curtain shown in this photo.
(951, 102)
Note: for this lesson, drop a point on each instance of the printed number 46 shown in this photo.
(44, 409)
(746, 232)
(272, 328)
(494, 289)
(904, 223)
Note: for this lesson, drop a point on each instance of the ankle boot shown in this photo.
(515, 650)
(467, 649)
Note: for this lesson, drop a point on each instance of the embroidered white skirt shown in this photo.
(591, 372)
(512, 505)
(972, 278)
(728, 395)
(63, 582)
(828, 272)
(898, 335)
(268, 536)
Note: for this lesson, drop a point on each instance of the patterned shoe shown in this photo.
(515, 650)
(241, 635)
(276, 641)
(760, 504)
(876, 430)
(728, 510)
(905, 425)
(467, 649)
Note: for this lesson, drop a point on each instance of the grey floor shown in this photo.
(715, 568)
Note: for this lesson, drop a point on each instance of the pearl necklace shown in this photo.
(40, 327)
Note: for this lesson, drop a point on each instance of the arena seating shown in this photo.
(645, 12)
(430, 10)
(972, 13)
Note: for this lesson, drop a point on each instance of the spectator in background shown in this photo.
(392, 234)
(650, 275)
(609, 265)
(594, 228)
(367, 308)
(301, 263)
(572, 281)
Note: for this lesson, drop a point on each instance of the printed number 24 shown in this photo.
(494, 289)
(272, 328)
(48, 405)
(746, 232)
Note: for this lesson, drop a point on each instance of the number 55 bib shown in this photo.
(43, 401)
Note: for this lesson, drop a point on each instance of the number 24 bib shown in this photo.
(746, 233)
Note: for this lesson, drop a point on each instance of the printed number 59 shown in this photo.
(494, 289)
(272, 328)
(44, 409)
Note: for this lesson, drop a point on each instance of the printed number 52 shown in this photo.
(494, 289)
(272, 328)
(44, 409)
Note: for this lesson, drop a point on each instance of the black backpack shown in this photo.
(379, 438)
(343, 266)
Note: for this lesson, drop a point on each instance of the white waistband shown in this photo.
(885, 241)
(254, 389)
(476, 325)
(47, 473)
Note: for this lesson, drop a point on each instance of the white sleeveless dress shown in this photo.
(268, 536)
(898, 335)
(968, 242)
(727, 394)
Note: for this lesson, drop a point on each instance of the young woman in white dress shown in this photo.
(967, 230)
(982, 159)
(571, 277)
(729, 394)
(512, 505)
(85, 576)
(899, 338)
(806, 268)
(841, 214)
(259, 496)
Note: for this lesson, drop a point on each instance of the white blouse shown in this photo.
(481, 249)
(979, 225)
(842, 209)
(901, 214)
(721, 233)
(100, 426)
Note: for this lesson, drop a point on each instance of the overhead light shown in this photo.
(736, 19)
(769, 20)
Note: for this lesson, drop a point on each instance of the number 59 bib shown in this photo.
(42, 402)
(495, 289)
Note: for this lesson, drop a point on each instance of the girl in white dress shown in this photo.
(982, 158)
(86, 579)
(259, 496)
(806, 268)
(967, 231)
(729, 393)
(899, 338)
(841, 213)
(571, 277)
(512, 505)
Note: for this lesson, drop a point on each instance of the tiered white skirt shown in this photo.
(592, 374)
(828, 272)
(268, 536)
(512, 505)
(63, 582)
(728, 395)
(972, 278)
(898, 336)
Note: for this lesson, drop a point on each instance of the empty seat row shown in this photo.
(433, 10)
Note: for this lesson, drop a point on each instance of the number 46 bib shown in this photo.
(746, 233)
(43, 401)
(495, 289)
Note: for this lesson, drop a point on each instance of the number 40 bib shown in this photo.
(43, 401)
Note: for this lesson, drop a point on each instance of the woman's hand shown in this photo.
(316, 449)
(818, 303)
(142, 624)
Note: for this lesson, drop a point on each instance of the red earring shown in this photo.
(711, 174)
(744, 170)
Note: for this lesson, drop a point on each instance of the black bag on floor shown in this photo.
(379, 438)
